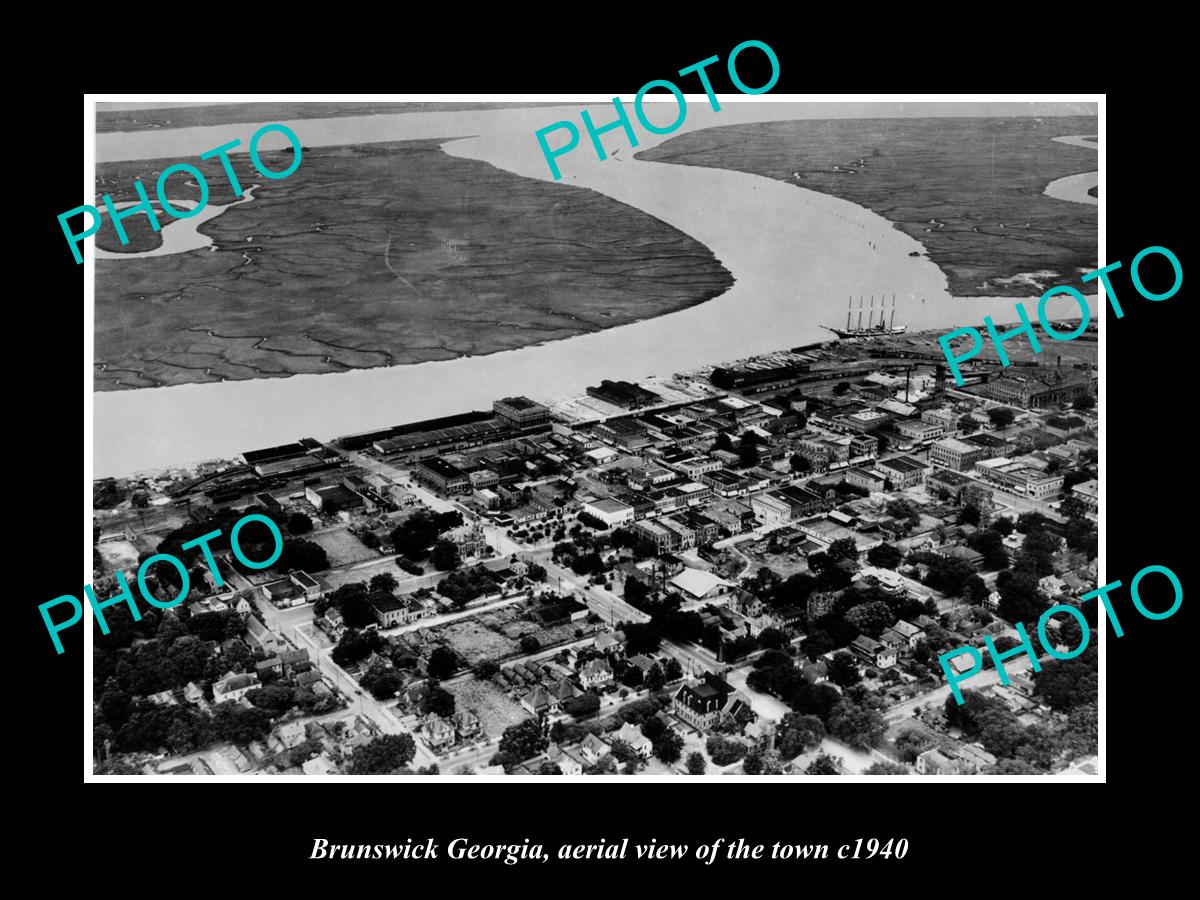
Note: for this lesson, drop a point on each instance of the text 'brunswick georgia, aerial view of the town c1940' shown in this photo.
(655, 468)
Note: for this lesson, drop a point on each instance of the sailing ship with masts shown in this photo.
(873, 329)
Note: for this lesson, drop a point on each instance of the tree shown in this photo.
(871, 618)
(443, 662)
(635, 592)
(669, 746)
(299, 523)
(843, 548)
(840, 388)
(485, 669)
(655, 680)
(356, 646)
(641, 637)
(968, 515)
(800, 463)
(1020, 598)
(843, 670)
(763, 762)
(724, 752)
(414, 536)
(444, 556)
(1069, 683)
(884, 556)
(523, 740)
(967, 425)
(824, 764)
(696, 764)
(976, 590)
(990, 543)
(912, 744)
(583, 706)
(773, 639)
(1001, 416)
(672, 669)
(885, 768)
(798, 734)
(438, 701)
(747, 454)
(530, 644)
(383, 755)
(384, 581)
(382, 683)
(1085, 401)
(858, 726)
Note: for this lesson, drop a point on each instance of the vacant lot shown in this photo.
(343, 548)
(474, 641)
(969, 189)
(495, 710)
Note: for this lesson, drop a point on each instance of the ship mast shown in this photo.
(893, 319)
(860, 312)
(849, 306)
(871, 314)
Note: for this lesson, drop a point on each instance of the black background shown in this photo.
(970, 832)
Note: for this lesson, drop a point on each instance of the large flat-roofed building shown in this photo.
(521, 412)
(1043, 389)
(867, 420)
(1020, 478)
(785, 505)
(903, 471)
(388, 610)
(624, 394)
(609, 511)
(919, 431)
(333, 498)
(959, 456)
(441, 475)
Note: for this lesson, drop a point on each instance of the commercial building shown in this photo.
(1019, 478)
(904, 472)
(609, 511)
(959, 456)
(440, 475)
(389, 611)
(624, 394)
(521, 412)
(1048, 387)
(333, 498)
(919, 431)
(785, 505)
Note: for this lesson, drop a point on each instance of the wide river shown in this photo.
(796, 255)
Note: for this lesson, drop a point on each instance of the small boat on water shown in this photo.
(877, 329)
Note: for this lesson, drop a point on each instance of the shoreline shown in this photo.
(795, 256)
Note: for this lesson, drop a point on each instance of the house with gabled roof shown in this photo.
(233, 687)
(595, 673)
(593, 748)
(632, 735)
(562, 690)
(539, 702)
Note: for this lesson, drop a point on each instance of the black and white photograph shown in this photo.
(680, 437)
